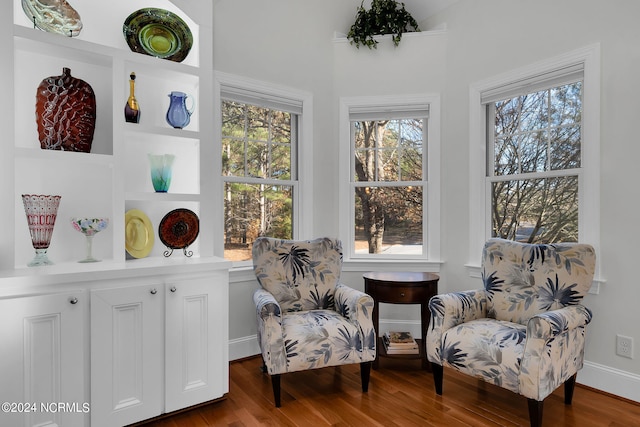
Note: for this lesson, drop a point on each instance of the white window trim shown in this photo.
(431, 184)
(589, 191)
(303, 198)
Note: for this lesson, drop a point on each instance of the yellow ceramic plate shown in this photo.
(138, 238)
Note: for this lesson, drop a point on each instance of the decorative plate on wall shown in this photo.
(179, 229)
(159, 33)
(139, 237)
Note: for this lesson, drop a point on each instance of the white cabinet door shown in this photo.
(126, 354)
(42, 353)
(196, 341)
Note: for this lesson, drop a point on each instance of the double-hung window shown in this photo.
(534, 147)
(392, 190)
(535, 153)
(260, 139)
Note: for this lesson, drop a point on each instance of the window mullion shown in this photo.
(549, 124)
(245, 139)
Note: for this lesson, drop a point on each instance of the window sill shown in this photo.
(241, 274)
(429, 266)
(246, 274)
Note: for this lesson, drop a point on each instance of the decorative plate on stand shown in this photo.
(179, 229)
(139, 237)
(159, 33)
(54, 16)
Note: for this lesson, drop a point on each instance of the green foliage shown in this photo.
(384, 17)
(256, 146)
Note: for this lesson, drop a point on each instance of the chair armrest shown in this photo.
(358, 308)
(353, 304)
(553, 350)
(450, 310)
(270, 335)
(555, 322)
(267, 306)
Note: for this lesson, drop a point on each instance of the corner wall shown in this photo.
(271, 42)
(493, 36)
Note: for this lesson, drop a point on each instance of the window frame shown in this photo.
(589, 175)
(301, 155)
(430, 181)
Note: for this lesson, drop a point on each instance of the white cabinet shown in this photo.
(42, 360)
(158, 347)
(126, 354)
(196, 344)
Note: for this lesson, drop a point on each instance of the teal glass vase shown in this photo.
(161, 168)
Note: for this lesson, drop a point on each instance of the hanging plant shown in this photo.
(384, 17)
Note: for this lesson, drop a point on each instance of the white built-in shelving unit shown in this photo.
(114, 176)
(130, 338)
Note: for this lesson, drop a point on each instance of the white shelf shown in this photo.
(114, 176)
(24, 279)
(163, 197)
(69, 157)
(142, 128)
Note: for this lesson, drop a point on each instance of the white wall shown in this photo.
(493, 36)
(291, 42)
(287, 42)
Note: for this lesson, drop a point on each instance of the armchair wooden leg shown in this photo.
(365, 373)
(438, 372)
(569, 385)
(275, 383)
(535, 412)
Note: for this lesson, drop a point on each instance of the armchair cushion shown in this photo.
(301, 275)
(488, 349)
(523, 280)
(318, 338)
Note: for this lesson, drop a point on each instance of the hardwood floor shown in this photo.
(400, 394)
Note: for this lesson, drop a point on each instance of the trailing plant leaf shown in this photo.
(384, 17)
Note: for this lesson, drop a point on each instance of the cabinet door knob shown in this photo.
(73, 300)
(173, 289)
(402, 294)
(153, 291)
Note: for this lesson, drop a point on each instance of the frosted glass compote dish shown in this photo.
(89, 227)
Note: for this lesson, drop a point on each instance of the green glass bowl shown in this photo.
(159, 33)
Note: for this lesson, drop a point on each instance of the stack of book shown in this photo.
(400, 343)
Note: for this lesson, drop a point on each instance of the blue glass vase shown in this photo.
(178, 114)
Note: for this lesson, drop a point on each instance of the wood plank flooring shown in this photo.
(400, 394)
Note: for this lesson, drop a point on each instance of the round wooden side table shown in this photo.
(404, 287)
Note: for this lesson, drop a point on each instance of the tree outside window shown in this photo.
(534, 165)
(388, 173)
(258, 167)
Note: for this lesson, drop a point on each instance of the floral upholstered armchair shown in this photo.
(306, 318)
(525, 331)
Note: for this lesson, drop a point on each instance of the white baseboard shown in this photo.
(610, 380)
(240, 348)
(600, 377)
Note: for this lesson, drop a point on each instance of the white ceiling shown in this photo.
(422, 9)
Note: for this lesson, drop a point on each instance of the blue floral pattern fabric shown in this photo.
(306, 318)
(525, 331)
